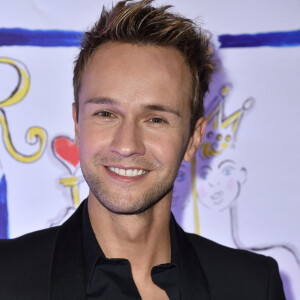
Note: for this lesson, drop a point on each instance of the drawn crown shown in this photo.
(222, 130)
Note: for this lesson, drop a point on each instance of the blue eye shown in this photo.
(204, 176)
(227, 171)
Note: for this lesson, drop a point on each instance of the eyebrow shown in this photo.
(206, 167)
(102, 100)
(162, 108)
(150, 107)
(226, 161)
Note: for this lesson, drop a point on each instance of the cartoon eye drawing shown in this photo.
(227, 171)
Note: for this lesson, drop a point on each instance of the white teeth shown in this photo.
(128, 172)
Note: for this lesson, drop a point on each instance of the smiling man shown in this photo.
(139, 83)
(133, 127)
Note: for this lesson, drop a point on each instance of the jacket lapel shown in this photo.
(193, 282)
(67, 274)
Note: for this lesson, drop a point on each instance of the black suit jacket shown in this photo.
(48, 264)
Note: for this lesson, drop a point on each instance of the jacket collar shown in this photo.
(67, 280)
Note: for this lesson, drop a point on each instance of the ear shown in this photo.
(195, 139)
(75, 124)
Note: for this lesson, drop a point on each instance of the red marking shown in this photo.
(66, 150)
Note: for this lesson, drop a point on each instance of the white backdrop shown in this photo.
(246, 196)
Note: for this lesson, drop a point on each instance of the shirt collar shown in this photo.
(92, 250)
(193, 282)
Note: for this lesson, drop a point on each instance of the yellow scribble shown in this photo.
(233, 119)
(224, 90)
(207, 149)
(23, 85)
(195, 197)
(33, 132)
(72, 182)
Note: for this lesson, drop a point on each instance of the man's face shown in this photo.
(133, 124)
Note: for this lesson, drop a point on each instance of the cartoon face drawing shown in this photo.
(219, 183)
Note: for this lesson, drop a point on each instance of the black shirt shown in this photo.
(112, 278)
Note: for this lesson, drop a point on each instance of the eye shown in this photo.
(204, 175)
(227, 171)
(157, 120)
(105, 114)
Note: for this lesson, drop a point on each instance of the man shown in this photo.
(139, 83)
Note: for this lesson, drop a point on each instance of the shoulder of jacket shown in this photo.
(26, 263)
(219, 258)
(234, 273)
(206, 247)
(37, 241)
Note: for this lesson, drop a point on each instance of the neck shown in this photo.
(143, 239)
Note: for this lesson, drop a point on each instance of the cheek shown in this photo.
(93, 141)
(202, 192)
(165, 148)
(230, 184)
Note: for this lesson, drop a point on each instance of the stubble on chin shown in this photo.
(128, 201)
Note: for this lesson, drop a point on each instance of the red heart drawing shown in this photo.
(66, 150)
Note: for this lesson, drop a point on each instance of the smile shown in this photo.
(127, 172)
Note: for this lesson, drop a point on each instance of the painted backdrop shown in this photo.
(242, 188)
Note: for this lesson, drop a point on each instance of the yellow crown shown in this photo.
(221, 130)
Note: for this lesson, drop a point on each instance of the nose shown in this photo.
(214, 183)
(128, 140)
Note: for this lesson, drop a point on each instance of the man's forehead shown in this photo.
(137, 72)
(134, 57)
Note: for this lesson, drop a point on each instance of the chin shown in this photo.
(122, 207)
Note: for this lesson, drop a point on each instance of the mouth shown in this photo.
(217, 197)
(127, 172)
